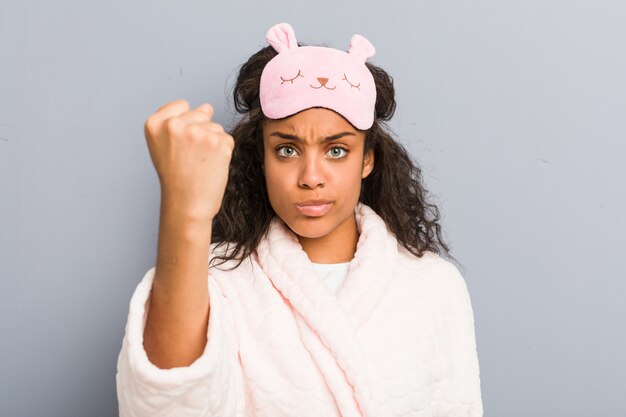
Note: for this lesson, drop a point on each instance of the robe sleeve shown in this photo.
(459, 388)
(211, 386)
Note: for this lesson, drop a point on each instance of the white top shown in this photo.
(333, 275)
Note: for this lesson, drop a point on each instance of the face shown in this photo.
(314, 155)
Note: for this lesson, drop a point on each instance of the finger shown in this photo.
(206, 108)
(173, 108)
(194, 116)
(215, 127)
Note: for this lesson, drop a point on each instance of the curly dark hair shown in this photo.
(246, 213)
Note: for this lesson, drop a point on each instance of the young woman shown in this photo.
(299, 268)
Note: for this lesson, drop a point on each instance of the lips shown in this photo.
(313, 202)
(314, 208)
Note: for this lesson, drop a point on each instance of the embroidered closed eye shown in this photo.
(291, 79)
(351, 85)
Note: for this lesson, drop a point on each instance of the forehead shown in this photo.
(316, 120)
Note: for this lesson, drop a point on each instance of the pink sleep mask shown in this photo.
(301, 77)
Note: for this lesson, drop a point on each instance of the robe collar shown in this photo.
(336, 318)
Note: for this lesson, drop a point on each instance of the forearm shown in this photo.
(176, 326)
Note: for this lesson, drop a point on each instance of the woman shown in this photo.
(326, 294)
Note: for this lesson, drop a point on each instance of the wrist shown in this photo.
(185, 211)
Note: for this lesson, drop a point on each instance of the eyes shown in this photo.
(351, 85)
(336, 152)
(299, 74)
(291, 79)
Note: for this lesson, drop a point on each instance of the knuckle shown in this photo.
(151, 124)
(173, 124)
(198, 112)
(182, 102)
(228, 143)
(214, 141)
(196, 132)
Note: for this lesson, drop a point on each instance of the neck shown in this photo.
(336, 247)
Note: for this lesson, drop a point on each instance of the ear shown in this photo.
(282, 37)
(368, 163)
(361, 48)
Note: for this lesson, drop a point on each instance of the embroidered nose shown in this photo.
(322, 81)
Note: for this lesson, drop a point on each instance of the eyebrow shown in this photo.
(298, 139)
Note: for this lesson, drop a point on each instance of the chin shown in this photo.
(309, 227)
(313, 227)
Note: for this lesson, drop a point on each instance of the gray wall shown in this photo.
(515, 110)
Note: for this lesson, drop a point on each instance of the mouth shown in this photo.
(314, 208)
(322, 85)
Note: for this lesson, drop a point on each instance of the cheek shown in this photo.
(276, 179)
(353, 173)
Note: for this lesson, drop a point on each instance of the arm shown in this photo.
(179, 355)
(459, 392)
(467, 376)
(175, 332)
(191, 154)
(211, 386)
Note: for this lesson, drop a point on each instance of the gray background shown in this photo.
(516, 111)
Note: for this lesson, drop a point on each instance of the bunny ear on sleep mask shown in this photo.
(301, 77)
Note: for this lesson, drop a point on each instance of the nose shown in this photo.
(312, 173)
(322, 81)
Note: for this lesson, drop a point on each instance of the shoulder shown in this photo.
(436, 285)
(433, 271)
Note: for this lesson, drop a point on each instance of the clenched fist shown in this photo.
(191, 154)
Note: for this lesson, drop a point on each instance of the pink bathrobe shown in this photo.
(397, 339)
